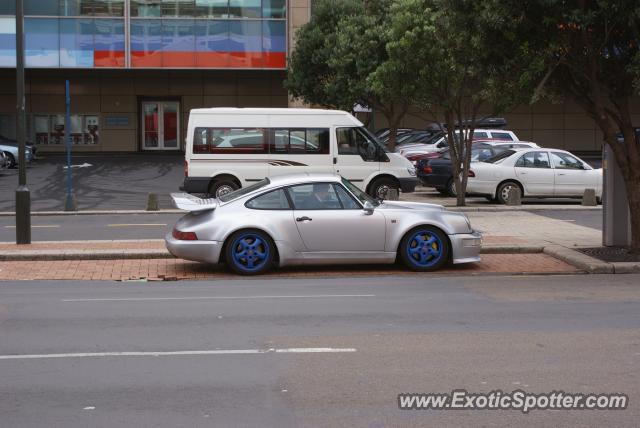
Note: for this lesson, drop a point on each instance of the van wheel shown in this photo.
(221, 187)
(381, 186)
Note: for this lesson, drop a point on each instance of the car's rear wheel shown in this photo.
(11, 160)
(424, 248)
(381, 186)
(222, 187)
(249, 252)
(451, 188)
(502, 194)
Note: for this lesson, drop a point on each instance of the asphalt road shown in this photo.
(379, 337)
(90, 227)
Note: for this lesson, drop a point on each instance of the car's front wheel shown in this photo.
(424, 248)
(250, 252)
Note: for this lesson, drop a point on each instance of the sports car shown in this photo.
(317, 219)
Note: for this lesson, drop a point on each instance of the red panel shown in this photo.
(178, 59)
(274, 59)
(146, 59)
(108, 59)
(212, 59)
(245, 60)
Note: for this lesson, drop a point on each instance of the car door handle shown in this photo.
(561, 173)
(305, 218)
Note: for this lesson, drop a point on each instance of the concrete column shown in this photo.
(616, 221)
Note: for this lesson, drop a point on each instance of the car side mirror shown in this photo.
(368, 208)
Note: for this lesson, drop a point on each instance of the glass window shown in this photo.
(146, 8)
(178, 43)
(177, 7)
(352, 141)
(76, 42)
(40, 7)
(146, 43)
(501, 136)
(481, 154)
(274, 44)
(245, 8)
(91, 130)
(7, 42)
(565, 161)
(245, 44)
(42, 47)
(274, 8)
(108, 7)
(534, 160)
(317, 141)
(8, 8)
(41, 126)
(317, 196)
(229, 140)
(347, 201)
(297, 141)
(300, 141)
(212, 43)
(211, 8)
(7, 126)
(274, 200)
(280, 141)
(201, 140)
(76, 7)
(480, 134)
(109, 43)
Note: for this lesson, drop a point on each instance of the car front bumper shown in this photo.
(408, 184)
(199, 251)
(466, 247)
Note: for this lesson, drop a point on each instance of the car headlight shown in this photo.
(412, 171)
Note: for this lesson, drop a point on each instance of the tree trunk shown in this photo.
(632, 186)
(394, 122)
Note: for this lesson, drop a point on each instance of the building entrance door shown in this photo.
(160, 125)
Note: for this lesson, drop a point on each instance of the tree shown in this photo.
(461, 69)
(588, 51)
(337, 57)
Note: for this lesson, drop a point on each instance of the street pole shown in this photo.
(23, 198)
(69, 204)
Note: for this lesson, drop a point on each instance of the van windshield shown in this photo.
(244, 191)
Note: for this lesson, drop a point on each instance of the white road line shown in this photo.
(135, 224)
(37, 225)
(152, 299)
(179, 353)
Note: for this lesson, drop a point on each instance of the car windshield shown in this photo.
(362, 196)
(375, 139)
(499, 157)
(244, 191)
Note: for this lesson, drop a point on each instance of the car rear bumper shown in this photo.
(434, 180)
(408, 184)
(199, 251)
(466, 247)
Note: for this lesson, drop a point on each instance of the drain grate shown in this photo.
(611, 254)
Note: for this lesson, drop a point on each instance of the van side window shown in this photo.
(352, 141)
(300, 141)
(229, 140)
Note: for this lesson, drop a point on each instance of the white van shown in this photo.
(229, 148)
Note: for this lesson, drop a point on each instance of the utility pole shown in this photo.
(23, 197)
(69, 204)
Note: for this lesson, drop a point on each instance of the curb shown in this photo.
(94, 212)
(524, 208)
(581, 261)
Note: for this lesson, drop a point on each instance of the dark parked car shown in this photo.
(6, 141)
(437, 172)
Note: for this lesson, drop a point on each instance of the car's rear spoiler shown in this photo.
(187, 202)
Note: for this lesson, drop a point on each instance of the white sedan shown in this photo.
(536, 173)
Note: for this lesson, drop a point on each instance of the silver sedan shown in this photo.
(306, 219)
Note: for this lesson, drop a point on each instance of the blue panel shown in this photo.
(41, 42)
(40, 7)
(109, 35)
(146, 35)
(245, 36)
(7, 42)
(212, 36)
(178, 35)
(76, 42)
(275, 36)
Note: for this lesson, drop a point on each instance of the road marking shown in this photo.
(37, 225)
(569, 220)
(152, 299)
(180, 353)
(135, 224)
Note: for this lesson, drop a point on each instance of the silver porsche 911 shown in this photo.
(317, 219)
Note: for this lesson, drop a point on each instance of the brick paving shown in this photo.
(175, 269)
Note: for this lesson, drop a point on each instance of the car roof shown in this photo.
(288, 111)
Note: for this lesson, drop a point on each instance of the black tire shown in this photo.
(11, 159)
(243, 254)
(415, 258)
(503, 190)
(490, 198)
(222, 187)
(451, 188)
(443, 191)
(380, 187)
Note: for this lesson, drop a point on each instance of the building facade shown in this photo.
(136, 67)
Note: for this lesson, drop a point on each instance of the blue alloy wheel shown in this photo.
(424, 248)
(249, 252)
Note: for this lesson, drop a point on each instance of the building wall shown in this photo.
(117, 94)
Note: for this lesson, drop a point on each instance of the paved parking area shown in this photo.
(178, 269)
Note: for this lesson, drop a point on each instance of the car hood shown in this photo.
(402, 205)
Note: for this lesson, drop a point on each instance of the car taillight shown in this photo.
(471, 173)
(184, 236)
(186, 168)
(427, 169)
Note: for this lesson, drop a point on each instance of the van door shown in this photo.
(357, 155)
(295, 150)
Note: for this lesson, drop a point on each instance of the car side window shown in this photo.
(316, 196)
(480, 134)
(534, 160)
(352, 141)
(274, 200)
(501, 136)
(565, 161)
(347, 201)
